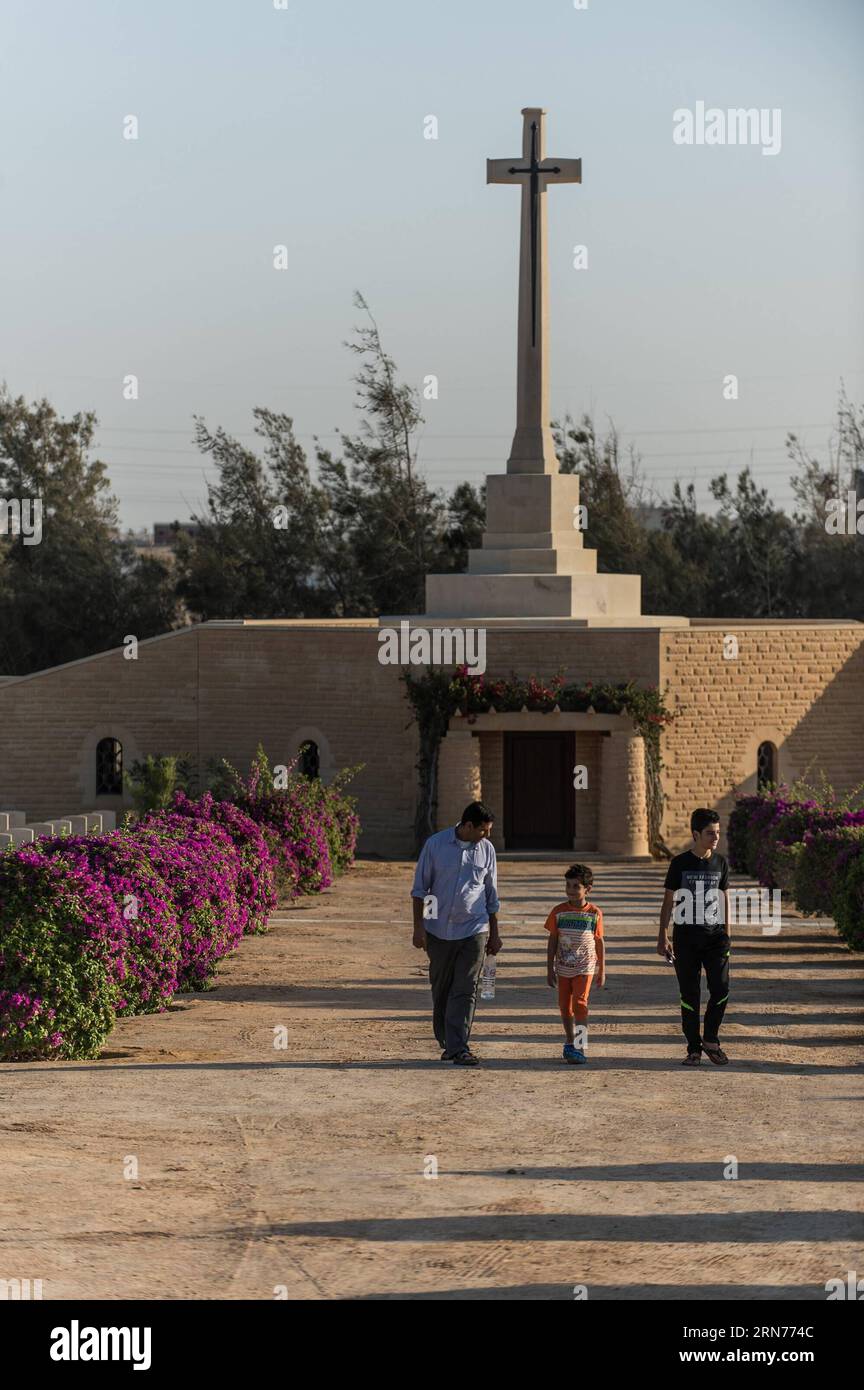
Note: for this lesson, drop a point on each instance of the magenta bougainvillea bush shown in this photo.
(97, 927)
(256, 888)
(811, 845)
(312, 827)
(61, 957)
(146, 971)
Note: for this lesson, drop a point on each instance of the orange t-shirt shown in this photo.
(577, 929)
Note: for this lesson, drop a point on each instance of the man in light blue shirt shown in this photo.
(455, 905)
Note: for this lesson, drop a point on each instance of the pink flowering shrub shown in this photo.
(256, 883)
(304, 854)
(146, 972)
(200, 863)
(61, 942)
(101, 926)
(810, 846)
(311, 828)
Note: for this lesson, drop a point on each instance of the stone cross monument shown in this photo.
(533, 563)
(533, 448)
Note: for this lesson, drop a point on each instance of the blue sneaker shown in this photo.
(578, 1055)
(570, 1053)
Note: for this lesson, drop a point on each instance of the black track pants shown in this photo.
(696, 950)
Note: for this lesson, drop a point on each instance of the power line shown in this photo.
(433, 434)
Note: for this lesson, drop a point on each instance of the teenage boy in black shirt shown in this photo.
(696, 898)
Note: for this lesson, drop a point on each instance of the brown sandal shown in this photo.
(715, 1055)
(693, 1059)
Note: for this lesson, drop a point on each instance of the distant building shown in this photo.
(650, 515)
(165, 533)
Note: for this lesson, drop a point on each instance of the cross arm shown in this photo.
(498, 170)
(559, 170)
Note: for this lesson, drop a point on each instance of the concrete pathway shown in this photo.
(199, 1159)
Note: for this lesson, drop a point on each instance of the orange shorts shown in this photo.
(573, 991)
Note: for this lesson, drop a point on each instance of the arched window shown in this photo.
(310, 760)
(766, 765)
(109, 767)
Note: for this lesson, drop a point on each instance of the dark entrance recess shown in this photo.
(538, 791)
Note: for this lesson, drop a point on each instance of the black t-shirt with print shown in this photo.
(705, 880)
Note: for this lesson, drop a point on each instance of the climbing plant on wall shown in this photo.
(438, 696)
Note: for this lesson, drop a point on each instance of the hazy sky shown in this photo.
(304, 126)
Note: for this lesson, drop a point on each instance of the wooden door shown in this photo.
(538, 791)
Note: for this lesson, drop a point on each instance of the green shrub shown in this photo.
(848, 901)
(818, 865)
(154, 782)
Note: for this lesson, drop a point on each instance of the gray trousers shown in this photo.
(454, 974)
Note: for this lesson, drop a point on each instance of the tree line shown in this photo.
(358, 536)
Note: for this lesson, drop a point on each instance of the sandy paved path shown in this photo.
(303, 1168)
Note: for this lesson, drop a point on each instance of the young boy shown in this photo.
(575, 954)
(696, 899)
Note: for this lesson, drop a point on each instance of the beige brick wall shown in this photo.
(51, 722)
(281, 685)
(800, 687)
(278, 685)
(583, 653)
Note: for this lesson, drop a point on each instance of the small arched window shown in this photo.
(109, 767)
(310, 760)
(766, 766)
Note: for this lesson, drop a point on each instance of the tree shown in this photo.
(357, 542)
(608, 492)
(749, 558)
(255, 551)
(381, 512)
(74, 588)
(759, 543)
(837, 560)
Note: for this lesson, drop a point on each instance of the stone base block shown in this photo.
(532, 540)
(533, 595)
(571, 561)
(517, 503)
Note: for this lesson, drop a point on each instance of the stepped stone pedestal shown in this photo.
(533, 562)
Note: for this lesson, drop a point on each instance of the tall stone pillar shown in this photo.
(458, 775)
(622, 827)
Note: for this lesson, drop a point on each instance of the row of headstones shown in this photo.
(14, 829)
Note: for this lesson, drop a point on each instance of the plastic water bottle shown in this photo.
(487, 987)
